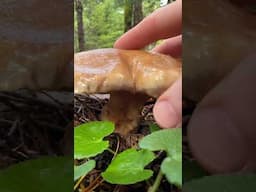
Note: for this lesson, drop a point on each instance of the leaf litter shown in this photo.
(33, 124)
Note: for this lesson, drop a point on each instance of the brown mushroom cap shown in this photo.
(106, 70)
(130, 76)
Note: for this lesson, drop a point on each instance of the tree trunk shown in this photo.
(128, 7)
(80, 24)
(137, 12)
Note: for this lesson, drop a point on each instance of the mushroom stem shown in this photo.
(124, 109)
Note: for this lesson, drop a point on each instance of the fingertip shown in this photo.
(129, 40)
(205, 129)
(117, 43)
(167, 110)
(152, 28)
(171, 46)
(165, 115)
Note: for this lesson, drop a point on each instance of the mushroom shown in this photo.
(129, 76)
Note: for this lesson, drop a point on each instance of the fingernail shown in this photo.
(165, 115)
(215, 140)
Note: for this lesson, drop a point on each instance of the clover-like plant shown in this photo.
(89, 142)
(82, 170)
(170, 141)
(128, 167)
(89, 138)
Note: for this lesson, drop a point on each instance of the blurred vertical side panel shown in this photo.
(219, 74)
(36, 95)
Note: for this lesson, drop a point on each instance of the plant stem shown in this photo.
(111, 151)
(79, 181)
(157, 182)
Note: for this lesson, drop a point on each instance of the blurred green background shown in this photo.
(98, 23)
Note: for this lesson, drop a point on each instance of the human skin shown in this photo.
(167, 110)
(222, 129)
(221, 132)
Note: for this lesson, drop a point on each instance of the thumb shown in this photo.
(222, 130)
(167, 110)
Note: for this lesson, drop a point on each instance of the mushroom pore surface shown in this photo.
(129, 76)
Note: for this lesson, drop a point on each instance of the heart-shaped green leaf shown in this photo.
(128, 167)
(42, 174)
(222, 183)
(169, 140)
(89, 138)
(153, 128)
(173, 170)
(83, 169)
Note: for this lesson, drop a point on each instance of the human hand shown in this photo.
(222, 129)
(164, 23)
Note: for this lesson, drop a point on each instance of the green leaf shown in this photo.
(222, 183)
(89, 138)
(191, 170)
(153, 128)
(128, 167)
(173, 170)
(83, 169)
(169, 140)
(42, 174)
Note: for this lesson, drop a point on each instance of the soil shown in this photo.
(88, 108)
(32, 124)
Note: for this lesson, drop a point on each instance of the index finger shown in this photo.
(165, 22)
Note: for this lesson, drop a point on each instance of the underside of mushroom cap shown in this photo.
(129, 76)
(105, 70)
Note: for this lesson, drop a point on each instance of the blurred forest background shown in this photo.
(98, 23)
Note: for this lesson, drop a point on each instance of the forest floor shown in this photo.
(88, 109)
(32, 124)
